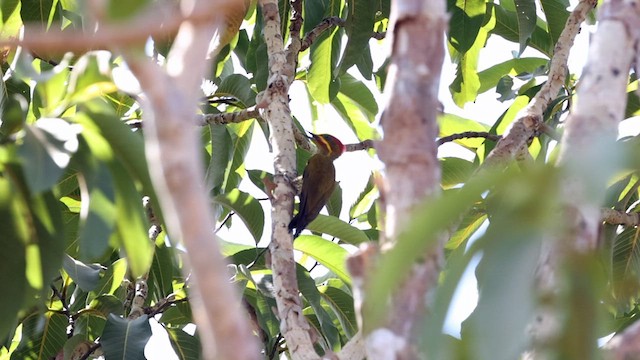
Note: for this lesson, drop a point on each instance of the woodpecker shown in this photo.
(318, 181)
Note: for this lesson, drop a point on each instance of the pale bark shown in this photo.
(175, 165)
(590, 136)
(275, 110)
(412, 171)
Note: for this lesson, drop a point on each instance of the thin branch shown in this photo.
(324, 25)
(364, 145)
(468, 134)
(293, 49)
(379, 35)
(159, 21)
(226, 219)
(90, 351)
(616, 217)
(229, 118)
(327, 23)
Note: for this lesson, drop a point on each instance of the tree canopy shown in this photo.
(126, 199)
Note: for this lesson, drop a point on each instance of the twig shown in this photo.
(59, 295)
(616, 217)
(226, 219)
(272, 353)
(364, 145)
(229, 118)
(468, 134)
(159, 21)
(327, 23)
(90, 351)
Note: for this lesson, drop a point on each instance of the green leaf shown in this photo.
(85, 276)
(357, 119)
(125, 144)
(247, 207)
(333, 226)
(323, 61)
(241, 136)
(131, 223)
(466, 84)
(90, 77)
(334, 205)
(112, 278)
(124, 9)
(177, 315)
(51, 89)
(360, 94)
(90, 323)
(43, 336)
(97, 225)
(12, 257)
(125, 339)
(326, 252)
(106, 305)
(452, 124)
(555, 11)
(239, 87)
(162, 270)
(489, 78)
(312, 295)
(263, 305)
(507, 27)
(508, 261)
(49, 228)
(221, 154)
(342, 305)
(38, 11)
(315, 12)
(468, 226)
(360, 21)
(455, 171)
(11, 20)
(526, 11)
(186, 346)
(625, 268)
(465, 23)
(46, 152)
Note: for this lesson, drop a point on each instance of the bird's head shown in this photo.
(328, 145)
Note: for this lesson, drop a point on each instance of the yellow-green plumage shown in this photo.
(318, 181)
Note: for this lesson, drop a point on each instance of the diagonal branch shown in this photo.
(326, 24)
(530, 119)
(173, 155)
(159, 21)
